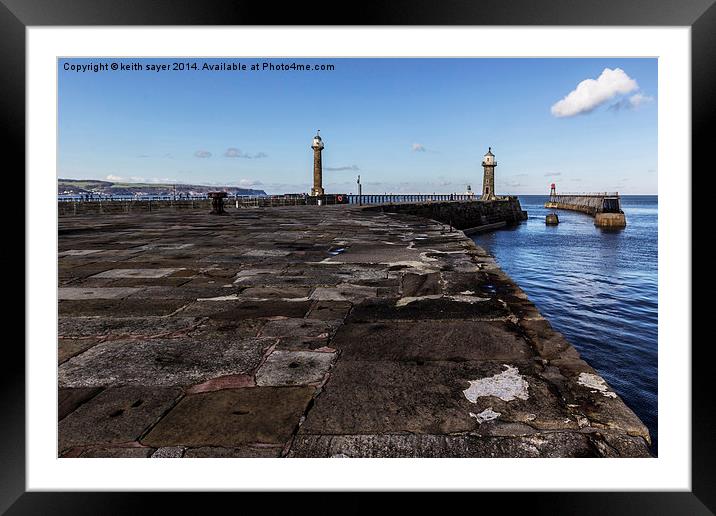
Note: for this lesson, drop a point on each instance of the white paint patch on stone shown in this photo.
(424, 256)
(327, 261)
(137, 273)
(468, 299)
(411, 299)
(251, 273)
(74, 293)
(168, 452)
(79, 252)
(266, 252)
(413, 264)
(486, 415)
(595, 382)
(230, 297)
(166, 247)
(507, 385)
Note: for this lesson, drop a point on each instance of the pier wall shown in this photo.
(108, 207)
(589, 204)
(605, 208)
(131, 206)
(469, 216)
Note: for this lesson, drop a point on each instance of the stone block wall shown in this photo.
(97, 207)
(462, 214)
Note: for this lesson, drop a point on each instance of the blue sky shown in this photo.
(404, 125)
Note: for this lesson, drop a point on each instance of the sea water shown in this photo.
(597, 287)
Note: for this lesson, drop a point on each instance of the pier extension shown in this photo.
(604, 207)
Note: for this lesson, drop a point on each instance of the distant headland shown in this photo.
(104, 188)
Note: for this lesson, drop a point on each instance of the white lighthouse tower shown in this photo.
(488, 180)
(317, 147)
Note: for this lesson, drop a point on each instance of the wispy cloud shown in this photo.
(418, 147)
(202, 154)
(553, 174)
(634, 102)
(233, 152)
(591, 93)
(639, 99)
(248, 183)
(137, 179)
(341, 169)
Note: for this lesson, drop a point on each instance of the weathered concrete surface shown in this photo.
(312, 332)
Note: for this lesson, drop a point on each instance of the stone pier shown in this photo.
(314, 331)
(604, 207)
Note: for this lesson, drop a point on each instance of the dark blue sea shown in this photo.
(597, 287)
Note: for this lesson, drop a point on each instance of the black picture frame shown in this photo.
(700, 15)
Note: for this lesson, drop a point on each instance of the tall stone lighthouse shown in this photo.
(317, 147)
(488, 180)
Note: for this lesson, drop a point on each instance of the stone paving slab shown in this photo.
(312, 332)
(117, 453)
(294, 368)
(161, 362)
(236, 310)
(233, 453)
(69, 399)
(77, 252)
(118, 327)
(119, 307)
(369, 397)
(117, 415)
(68, 348)
(233, 417)
(96, 292)
(431, 340)
(301, 334)
(426, 308)
(547, 445)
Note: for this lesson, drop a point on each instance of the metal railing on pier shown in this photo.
(590, 194)
(261, 201)
(398, 198)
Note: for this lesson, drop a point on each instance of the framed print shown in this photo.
(424, 238)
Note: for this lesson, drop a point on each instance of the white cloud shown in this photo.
(638, 99)
(233, 152)
(591, 93)
(418, 147)
(202, 154)
(341, 169)
(247, 183)
(137, 179)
